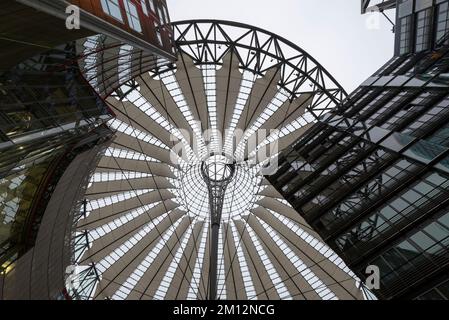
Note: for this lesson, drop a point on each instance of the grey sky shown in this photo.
(350, 45)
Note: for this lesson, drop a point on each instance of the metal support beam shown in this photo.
(217, 177)
(368, 6)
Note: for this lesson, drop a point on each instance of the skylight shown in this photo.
(129, 223)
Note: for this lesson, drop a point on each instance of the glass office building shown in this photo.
(372, 178)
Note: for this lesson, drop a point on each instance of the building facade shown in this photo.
(372, 176)
(141, 23)
(49, 115)
(53, 123)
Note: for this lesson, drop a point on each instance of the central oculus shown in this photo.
(218, 168)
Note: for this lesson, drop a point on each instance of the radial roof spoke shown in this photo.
(124, 128)
(315, 256)
(279, 249)
(112, 187)
(197, 285)
(315, 243)
(183, 275)
(128, 113)
(139, 213)
(159, 169)
(260, 266)
(133, 201)
(177, 93)
(113, 247)
(157, 95)
(193, 142)
(108, 227)
(104, 201)
(162, 120)
(116, 175)
(131, 273)
(210, 88)
(124, 153)
(244, 94)
(169, 275)
(155, 263)
(273, 106)
(245, 288)
(158, 154)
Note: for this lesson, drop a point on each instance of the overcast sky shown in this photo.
(349, 45)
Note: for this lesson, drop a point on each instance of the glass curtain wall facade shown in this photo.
(48, 114)
(52, 104)
(373, 177)
(420, 25)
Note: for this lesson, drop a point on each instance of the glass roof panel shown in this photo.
(182, 193)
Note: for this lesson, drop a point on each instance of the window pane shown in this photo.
(437, 231)
(442, 20)
(444, 289)
(132, 15)
(422, 240)
(112, 8)
(423, 30)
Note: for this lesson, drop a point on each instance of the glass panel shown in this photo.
(425, 151)
(405, 35)
(394, 258)
(18, 191)
(437, 231)
(152, 7)
(444, 289)
(133, 16)
(423, 30)
(422, 240)
(112, 8)
(144, 7)
(444, 220)
(442, 21)
(397, 141)
(408, 250)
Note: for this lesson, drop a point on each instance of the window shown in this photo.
(161, 16)
(444, 289)
(144, 7)
(167, 17)
(152, 7)
(440, 137)
(158, 33)
(133, 17)
(112, 8)
(422, 240)
(423, 30)
(442, 21)
(404, 36)
(438, 232)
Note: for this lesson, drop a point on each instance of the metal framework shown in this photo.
(217, 177)
(258, 50)
(369, 6)
(163, 229)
